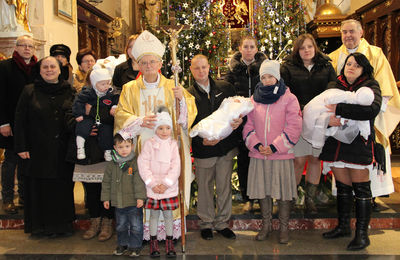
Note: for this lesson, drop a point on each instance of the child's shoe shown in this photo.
(80, 153)
(134, 252)
(120, 250)
(107, 155)
(154, 250)
(169, 247)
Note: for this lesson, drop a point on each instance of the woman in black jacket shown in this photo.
(307, 72)
(244, 75)
(351, 163)
(43, 127)
(127, 70)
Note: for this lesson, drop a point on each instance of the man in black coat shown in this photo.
(15, 73)
(212, 159)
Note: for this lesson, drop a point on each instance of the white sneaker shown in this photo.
(107, 155)
(81, 153)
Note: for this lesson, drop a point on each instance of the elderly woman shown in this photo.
(86, 58)
(351, 163)
(307, 72)
(135, 114)
(129, 69)
(43, 127)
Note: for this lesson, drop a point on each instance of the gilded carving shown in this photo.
(388, 38)
(388, 3)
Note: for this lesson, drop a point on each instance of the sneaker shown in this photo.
(120, 250)
(134, 252)
(80, 153)
(107, 155)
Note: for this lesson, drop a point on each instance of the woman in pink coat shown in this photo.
(271, 131)
(159, 166)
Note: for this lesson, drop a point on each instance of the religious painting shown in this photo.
(64, 9)
(238, 12)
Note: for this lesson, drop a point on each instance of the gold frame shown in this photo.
(63, 13)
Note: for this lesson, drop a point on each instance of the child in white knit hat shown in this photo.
(271, 131)
(95, 106)
(159, 166)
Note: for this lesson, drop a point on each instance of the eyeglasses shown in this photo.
(145, 63)
(26, 46)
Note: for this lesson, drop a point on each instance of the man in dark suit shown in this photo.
(15, 73)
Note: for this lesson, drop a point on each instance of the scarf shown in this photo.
(122, 161)
(26, 68)
(46, 87)
(341, 79)
(269, 94)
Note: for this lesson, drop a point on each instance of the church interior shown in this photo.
(213, 28)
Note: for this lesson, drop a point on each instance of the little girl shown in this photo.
(102, 101)
(159, 166)
(271, 131)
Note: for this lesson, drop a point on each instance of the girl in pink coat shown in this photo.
(271, 131)
(159, 166)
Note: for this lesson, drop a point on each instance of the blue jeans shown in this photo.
(129, 226)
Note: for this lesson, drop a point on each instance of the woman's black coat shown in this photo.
(360, 151)
(305, 84)
(44, 125)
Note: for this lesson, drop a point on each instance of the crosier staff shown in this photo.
(173, 34)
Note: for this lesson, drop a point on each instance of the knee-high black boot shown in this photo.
(344, 205)
(363, 194)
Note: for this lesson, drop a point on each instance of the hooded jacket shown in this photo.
(244, 78)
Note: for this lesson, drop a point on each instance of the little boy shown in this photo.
(123, 188)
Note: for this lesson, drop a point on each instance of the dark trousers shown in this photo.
(10, 163)
(93, 202)
(243, 162)
(104, 133)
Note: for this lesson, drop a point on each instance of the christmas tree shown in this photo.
(277, 23)
(207, 33)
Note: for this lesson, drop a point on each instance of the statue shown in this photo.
(14, 15)
(152, 11)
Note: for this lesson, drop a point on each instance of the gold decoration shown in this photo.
(327, 9)
(116, 27)
(388, 3)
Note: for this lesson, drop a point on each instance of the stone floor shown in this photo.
(14, 244)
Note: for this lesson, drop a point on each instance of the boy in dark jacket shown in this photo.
(102, 101)
(125, 190)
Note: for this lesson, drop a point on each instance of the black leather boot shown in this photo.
(363, 194)
(344, 206)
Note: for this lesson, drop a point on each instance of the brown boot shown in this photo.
(284, 214)
(266, 212)
(106, 230)
(311, 192)
(169, 247)
(93, 230)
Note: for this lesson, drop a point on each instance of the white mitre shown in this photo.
(147, 44)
